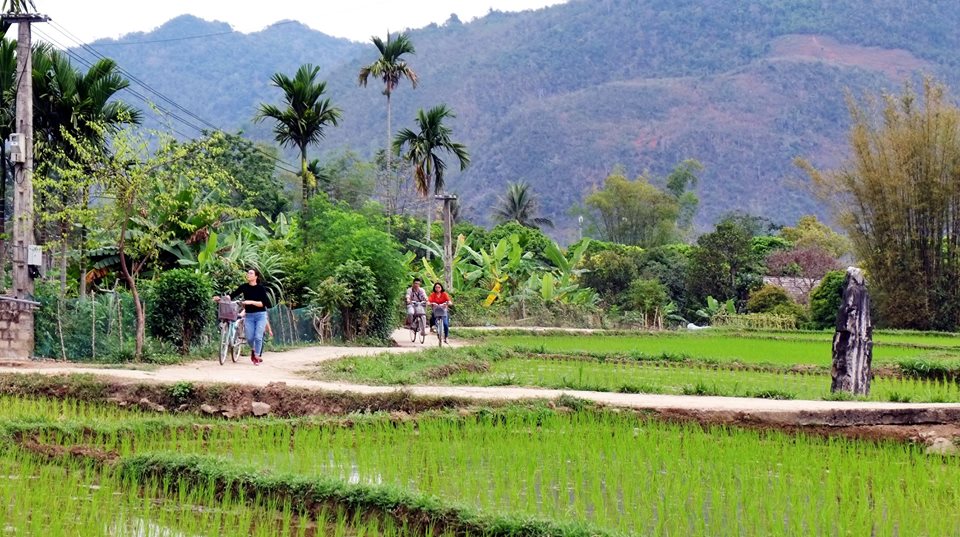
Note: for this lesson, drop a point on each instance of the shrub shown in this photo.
(766, 298)
(181, 307)
(825, 300)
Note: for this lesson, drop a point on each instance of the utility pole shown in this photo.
(447, 239)
(20, 337)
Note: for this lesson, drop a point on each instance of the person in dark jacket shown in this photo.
(256, 302)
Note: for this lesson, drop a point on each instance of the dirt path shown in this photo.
(286, 366)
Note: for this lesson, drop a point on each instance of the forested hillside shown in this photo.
(559, 96)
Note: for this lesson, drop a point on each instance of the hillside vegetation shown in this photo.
(558, 96)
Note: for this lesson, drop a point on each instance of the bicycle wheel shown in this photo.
(413, 328)
(439, 322)
(422, 328)
(224, 340)
(238, 339)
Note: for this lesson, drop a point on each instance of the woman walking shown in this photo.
(256, 302)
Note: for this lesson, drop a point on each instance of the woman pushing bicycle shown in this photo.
(256, 302)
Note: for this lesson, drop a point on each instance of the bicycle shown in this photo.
(439, 314)
(419, 323)
(232, 338)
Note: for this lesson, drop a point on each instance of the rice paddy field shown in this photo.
(513, 470)
(908, 366)
(781, 348)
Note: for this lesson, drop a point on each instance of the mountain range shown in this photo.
(560, 96)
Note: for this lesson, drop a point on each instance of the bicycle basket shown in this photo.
(226, 310)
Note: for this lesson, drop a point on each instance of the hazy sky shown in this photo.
(354, 19)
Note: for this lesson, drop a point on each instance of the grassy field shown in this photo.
(789, 365)
(615, 472)
(723, 346)
(678, 380)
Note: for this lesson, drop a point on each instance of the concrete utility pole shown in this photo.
(16, 316)
(447, 239)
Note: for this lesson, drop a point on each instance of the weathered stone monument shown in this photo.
(853, 340)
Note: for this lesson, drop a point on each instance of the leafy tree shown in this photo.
(608, 273)
(682, 178)
(764, 245)
(530, 239)
(144, 189)
(181, 307)
(825, 300)
(83, 106)
(811, 233)
(647, 297)
(897, 198)
(304, 119)
(668, 264)
(253, 167)
(422, 150)
(347, 178)
(330, 236)
(723, 263)
(391, 68)
(520, 206)
(633, 212)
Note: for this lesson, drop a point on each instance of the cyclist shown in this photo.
(255, 304)
(440, 298)
(415, 295)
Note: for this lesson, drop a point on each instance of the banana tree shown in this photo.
(465, 273)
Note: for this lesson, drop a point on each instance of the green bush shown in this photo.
(825, 300)
(181, 307)
(767, 298)
(333, 236)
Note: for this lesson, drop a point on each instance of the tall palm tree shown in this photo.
(422, 150)
(306, 115)
(390, 68)
(520, 206)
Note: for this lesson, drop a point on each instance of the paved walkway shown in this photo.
(287, 367)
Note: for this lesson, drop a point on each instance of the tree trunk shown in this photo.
(304, 190)
(132, 283)
(853, 340)
(429, 218)
(389, 152)
(63, 258)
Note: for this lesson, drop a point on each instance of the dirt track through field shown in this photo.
(286, 367)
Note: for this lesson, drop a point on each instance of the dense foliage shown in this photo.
(180, 307)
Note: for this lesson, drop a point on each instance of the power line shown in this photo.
(278, 162)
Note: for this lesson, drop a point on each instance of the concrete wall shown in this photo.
(16, 330)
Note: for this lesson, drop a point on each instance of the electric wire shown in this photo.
(277, 161)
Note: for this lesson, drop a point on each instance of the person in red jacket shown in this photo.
(441, 302)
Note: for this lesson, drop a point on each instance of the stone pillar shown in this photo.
(853, 340)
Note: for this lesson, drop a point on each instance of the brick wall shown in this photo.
(16, 330)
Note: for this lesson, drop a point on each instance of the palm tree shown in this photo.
(303, 120)
(422, 152)
(520, 206)
(390, 68)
